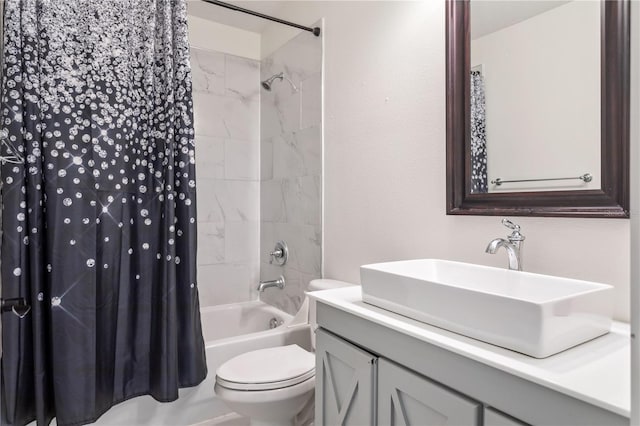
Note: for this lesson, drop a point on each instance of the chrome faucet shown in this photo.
(271, 283)
(513, 245)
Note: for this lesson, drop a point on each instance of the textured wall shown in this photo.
(227, 117)
(291, 168)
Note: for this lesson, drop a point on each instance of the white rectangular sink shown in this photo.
(537, 315)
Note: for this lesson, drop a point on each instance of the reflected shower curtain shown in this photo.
(99, 223)
(478, 135)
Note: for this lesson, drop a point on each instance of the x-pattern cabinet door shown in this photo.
(345, 383)
(495, 418)
(406, 398)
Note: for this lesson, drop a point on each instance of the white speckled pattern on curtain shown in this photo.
(99, 224)
(479, 180)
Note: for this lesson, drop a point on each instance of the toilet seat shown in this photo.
(266, 386)
(267, 369)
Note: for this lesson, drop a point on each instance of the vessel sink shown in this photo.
(537, 315)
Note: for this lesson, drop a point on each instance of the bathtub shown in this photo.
(228, 331)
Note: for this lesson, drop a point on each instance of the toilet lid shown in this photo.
(270, 368)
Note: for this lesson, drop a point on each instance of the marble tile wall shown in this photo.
(226, 91)
(291, 168)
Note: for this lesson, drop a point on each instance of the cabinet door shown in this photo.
(406, 398)
(345, 383)
(496, 418)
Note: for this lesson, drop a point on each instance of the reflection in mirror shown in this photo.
(563, 111)
(535, 96)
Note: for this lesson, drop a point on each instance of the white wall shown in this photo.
(211, 35)
(385, 156)
(542, 86)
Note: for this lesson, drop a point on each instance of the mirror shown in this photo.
(535, 95)
(538, 108)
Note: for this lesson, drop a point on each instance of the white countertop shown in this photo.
(597, 372)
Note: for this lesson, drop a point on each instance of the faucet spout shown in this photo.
(494, 245)
(513, 245)
(280, 283)
(513, 251)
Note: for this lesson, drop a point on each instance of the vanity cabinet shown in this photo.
(345, 383)
(496, 418)
(406, 398)
(355, 387)
(370, 374)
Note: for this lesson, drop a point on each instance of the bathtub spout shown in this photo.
(271, 283)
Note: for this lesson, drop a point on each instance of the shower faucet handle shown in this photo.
(276, 253)
(280, 253)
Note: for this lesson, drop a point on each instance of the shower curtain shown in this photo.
(478, 135)
(99, 223)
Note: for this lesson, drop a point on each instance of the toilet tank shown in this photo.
(318, 285)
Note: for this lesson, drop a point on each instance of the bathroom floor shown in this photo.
(232, 419)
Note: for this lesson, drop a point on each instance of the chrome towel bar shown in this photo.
(585, 178)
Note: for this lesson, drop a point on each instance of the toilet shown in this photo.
(271, 386)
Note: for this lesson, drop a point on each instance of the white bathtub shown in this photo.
(228, 330)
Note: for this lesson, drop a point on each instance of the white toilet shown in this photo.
(271, 386)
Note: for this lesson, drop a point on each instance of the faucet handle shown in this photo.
(280, 254)
(515, 235)
(506, 222)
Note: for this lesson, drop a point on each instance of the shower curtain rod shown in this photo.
(315, 30)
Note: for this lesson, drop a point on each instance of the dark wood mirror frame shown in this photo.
(612, 201)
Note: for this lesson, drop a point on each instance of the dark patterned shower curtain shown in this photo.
(99, 223)
(478, 135)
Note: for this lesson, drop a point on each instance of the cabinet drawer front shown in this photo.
(496, 418)
(345, 383)
(407, 398)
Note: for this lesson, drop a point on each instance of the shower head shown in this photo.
(266, 84)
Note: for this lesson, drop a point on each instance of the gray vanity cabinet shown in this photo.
(406, 398)
(356, 388)
(495, 418)
(402, 380)
(345, 383)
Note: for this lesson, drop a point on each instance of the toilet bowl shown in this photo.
(271, 386)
